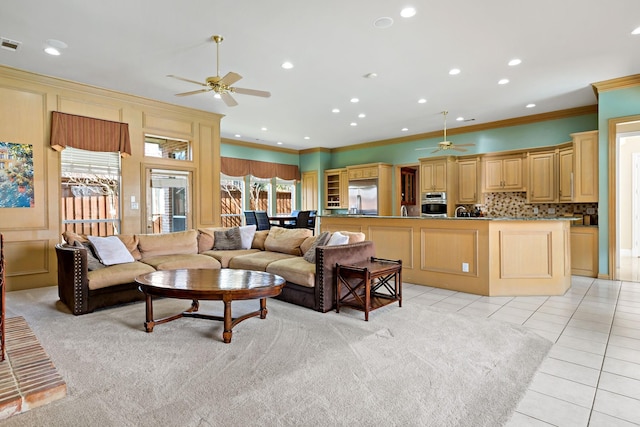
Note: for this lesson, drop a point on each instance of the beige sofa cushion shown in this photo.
(117, 274)
(286, 241)
(225, 256)
(354, 236)
(257, 261)
(176, 262)
(259, 239)
(295, 270)
(182, 242)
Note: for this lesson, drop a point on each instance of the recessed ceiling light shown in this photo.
(422, 101)
(404, 129)
(263, 128)
(287, 65)
(531, 105)
(460, 119)
(52, 51)
(353, 124)
(636, 31)
(408, 12)
(454, 71)
(362, 115)
(514, 62)
(238, 135)
(335, 110)
(383, 22)
(307, 137)
(279, 143)
(355, 100)
(503, 81)
(370, 75)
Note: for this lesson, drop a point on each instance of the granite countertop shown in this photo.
(482, 218)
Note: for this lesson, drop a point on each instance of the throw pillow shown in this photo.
(246, 235)
(310, 254)
(93, 263)
(226, 240)
(111, 250)
(338, 238)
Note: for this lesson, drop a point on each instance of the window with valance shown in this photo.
(241, 167)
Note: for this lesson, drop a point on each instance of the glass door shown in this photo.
(168, 201)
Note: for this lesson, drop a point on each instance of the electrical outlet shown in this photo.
(591, 211)
(535, 210)
(552, 210)
(465, 267)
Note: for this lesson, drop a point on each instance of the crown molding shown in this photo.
(247, 144)
(615, 84)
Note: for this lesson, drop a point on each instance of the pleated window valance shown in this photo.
(86, 133)
(241, 167)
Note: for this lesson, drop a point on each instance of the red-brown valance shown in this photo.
(87, 133)
(241, 167)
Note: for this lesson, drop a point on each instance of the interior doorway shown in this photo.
(624, 198)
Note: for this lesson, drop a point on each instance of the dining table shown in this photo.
(282, 220)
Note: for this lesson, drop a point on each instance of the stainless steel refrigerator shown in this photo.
(363, 197)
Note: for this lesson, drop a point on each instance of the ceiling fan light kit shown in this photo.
(221, 85)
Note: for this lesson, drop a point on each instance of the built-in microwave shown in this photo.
(434, 204)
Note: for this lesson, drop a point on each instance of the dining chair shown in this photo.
(302, 220)
(262, 220)
(250, 218)
(311, 225)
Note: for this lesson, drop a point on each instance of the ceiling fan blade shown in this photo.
(193, 92)
(423, 148)
(465, 145)
(253, 92)
(457, 148)
(230, 78)
(228, 99)
(436, 150)
(186, 80)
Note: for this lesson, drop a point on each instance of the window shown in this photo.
(260, 194)
(90, 192)
(166, 148)
(168, 200)
(285, 196)
(231, 199)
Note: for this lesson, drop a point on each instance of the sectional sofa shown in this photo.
(84, 284)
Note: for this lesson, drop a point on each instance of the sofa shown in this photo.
(86, 284)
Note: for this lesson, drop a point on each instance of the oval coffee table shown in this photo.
(221, 285)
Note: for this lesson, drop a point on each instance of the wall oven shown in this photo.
(434, 204)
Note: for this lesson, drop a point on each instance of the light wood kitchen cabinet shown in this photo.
(309, 187)
(433, 174)
(565, 174)
(542, 186)
(468, 181)
(336, 188)
(362, 172)
(585, 167)
(503, 173)
(584, 251)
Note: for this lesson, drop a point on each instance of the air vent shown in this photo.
(9, 44)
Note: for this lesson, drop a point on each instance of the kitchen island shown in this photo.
(484, 256)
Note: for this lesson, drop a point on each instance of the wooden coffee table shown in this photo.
(221, 285)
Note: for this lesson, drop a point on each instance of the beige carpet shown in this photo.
(407, 366)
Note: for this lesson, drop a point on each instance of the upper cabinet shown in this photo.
(336, 188)
(433, 174)
(585, 167)
(543, 180)
(468, 181)
(565, 174)
(503, 173)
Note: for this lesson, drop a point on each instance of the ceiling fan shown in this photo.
(221, 85)
(447, 145)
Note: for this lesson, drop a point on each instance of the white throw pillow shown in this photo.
(338, 238)
(246, 235)
(111, 250)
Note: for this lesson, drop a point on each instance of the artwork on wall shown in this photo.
(16, 175)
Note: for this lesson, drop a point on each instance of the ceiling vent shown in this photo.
(9, 44)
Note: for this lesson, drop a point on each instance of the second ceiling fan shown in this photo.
(221, 85)
(447, 145)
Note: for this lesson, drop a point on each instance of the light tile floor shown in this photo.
(591, 376)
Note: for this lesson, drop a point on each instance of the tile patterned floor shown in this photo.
(591, 376)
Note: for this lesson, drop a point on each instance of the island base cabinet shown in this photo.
(584, 251)
(478, 256)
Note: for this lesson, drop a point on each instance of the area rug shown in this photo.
(410, 366)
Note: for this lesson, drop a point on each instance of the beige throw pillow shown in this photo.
(286, 241)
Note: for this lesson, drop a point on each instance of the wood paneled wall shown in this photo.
(26, 103)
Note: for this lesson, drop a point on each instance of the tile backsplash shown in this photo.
(515, 205)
